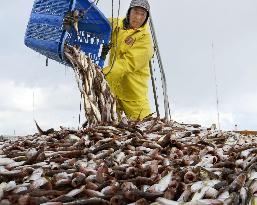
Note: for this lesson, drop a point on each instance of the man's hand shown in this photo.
(105, 50)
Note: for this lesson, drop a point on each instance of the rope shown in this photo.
(47, 61)
(154, 88)
(163, 88)
(33, 104)
(163, 78)
(155, 80)
(216, 85)
(117, 32)
(80, 108)
(112, 19)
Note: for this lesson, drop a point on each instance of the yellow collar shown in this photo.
(144, 28)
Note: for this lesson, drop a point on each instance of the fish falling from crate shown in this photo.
(99, 102)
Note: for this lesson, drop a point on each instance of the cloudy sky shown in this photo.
(185, 31)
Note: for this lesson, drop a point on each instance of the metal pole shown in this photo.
(164, 83)
(154, 90)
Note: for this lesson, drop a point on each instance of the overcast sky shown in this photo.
(185, 31)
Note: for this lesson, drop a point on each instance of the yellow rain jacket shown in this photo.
(129, 75)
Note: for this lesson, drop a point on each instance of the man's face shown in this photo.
(137, 17)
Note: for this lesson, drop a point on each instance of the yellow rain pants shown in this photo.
(128, 70)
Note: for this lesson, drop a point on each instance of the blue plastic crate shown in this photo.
(46, 34)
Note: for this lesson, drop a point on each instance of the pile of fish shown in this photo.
(99, 102)
(136, 163)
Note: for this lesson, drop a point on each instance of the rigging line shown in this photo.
(164, 82)
(216, 84)
(80, 108)
(116, 46)
(154, 89)
(33, 104)
(155, 82)
(112, 20)
(110, 44)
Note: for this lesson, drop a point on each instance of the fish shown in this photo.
(163, 201)
(5, 202)
(244, 195)
(20, 189)
(189, 177)
(15, 164)
(162, 185)
(75, 192)
(110, 190)
(253, 187)
(11, 185)
(85, 73)
(238, 183)
(91, 201)
(36, 184)
(78, 179)
(47, 132)
(37, 174)
(232, 199)
(6, 161)
(3, 186)
(205, 202)
(186, 194)
(200, 193)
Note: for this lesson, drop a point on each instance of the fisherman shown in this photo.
(131, 51)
